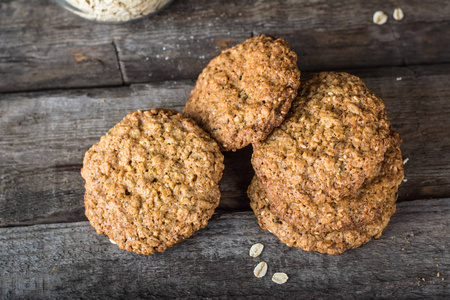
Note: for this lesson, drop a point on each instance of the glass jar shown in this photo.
(114, 11)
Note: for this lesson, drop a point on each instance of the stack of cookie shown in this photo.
(327, 168)
(326, 179)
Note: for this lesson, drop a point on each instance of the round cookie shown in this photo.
(245, 92)
(334, 138)
(152, 181)
(351, 211)
(332, 242)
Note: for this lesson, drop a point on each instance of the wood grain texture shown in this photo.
(43, 46)
(39, 50)
(61, 261)
(44, 136)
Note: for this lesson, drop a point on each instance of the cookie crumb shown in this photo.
(260, 270)
(280, 278)
(379, 17)
(80, 57)
(438, 274)
(103, 101)
(256, 250)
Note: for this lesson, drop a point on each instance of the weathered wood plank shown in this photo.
(42, 46)
(46, 66)
(44, 136)
(325, 35)
(61, 261)
(39, 50)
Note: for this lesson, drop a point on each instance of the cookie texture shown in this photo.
(350, 211)
(152, 181)
(332, 242)
(327, 178)
(333, 139)
(245, 92)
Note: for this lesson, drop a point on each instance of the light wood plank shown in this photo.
(60, 261)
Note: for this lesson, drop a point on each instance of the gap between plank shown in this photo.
(125, 84)
(119, 63)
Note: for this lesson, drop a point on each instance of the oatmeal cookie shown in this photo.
(334, 138)
(152, 181)
(245, 92)
(331, 242)
(351, 211)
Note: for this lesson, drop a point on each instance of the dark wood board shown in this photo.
(45, 134)
(42, 46)
(65, 81)
(70, 261)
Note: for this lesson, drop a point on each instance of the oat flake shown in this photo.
(379, 17)
(260, 270)
(398, 14)
(256, 250)
(280, 278)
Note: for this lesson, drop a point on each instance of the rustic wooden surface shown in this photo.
(42, 46)
(65, 81)
(45, 135)
(410, 261)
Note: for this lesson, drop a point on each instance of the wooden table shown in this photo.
(65, 81)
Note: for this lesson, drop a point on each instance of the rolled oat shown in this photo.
(280, 278)
(256, 250)
(260, 270)
(398, 14)
(379, 17)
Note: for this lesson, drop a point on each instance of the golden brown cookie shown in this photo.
(152, 181)
(351, 211)
(334, 138)
(245, 92)
(330, 242)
